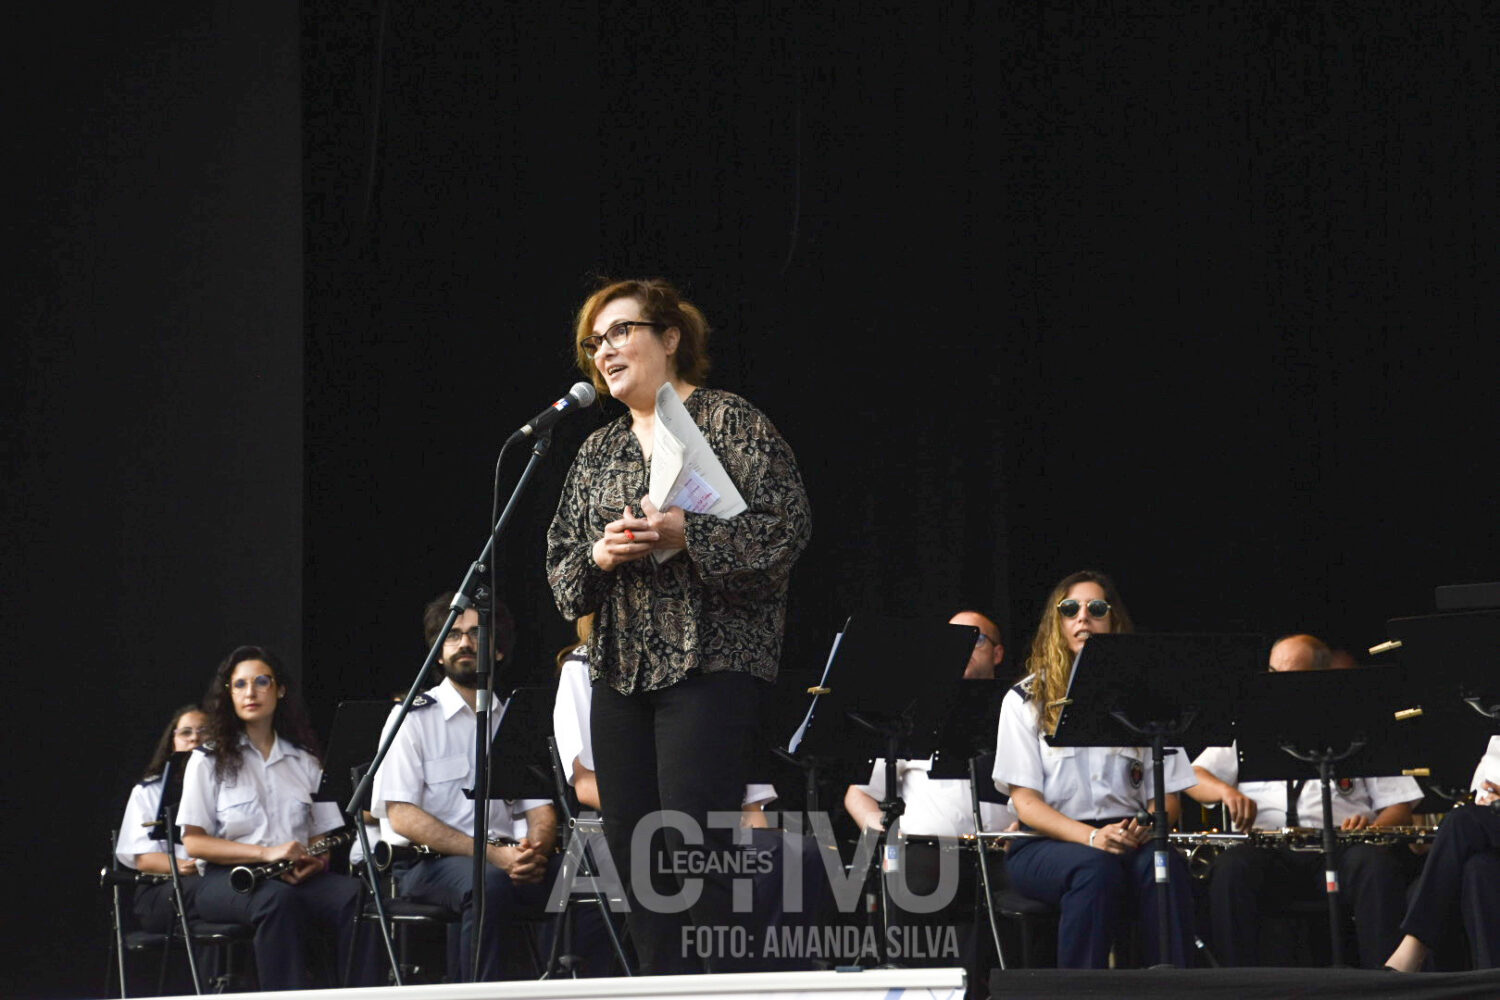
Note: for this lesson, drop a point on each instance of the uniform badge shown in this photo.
(1345, 786)
(1137, 773)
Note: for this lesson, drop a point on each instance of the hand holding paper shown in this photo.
(685, 472)
(669, 525)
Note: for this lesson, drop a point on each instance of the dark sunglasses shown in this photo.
(1069, 608)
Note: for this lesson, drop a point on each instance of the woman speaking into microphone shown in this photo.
(681, 646)
(248, 801)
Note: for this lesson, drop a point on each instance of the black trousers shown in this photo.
(682, 749)
(1463, 874)
(1244, 880)
(286, 917)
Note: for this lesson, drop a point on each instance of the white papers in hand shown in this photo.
(685, 472)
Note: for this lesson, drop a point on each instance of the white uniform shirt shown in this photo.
(1351, 796)
(935, 807)
(432, 762)
(570, 724)
(135, 835)
(269, 803)
(1082, 783)
(1488, 768)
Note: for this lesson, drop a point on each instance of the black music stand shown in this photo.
(1456, 653)
(888, 690)
(351, 744)
(165, 828)
(1129, 689)
(1310, 724)
(521, 763)
(969, 729)
(1453, 654)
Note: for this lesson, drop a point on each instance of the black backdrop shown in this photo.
(1205, 299)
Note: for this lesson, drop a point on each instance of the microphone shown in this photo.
(581, 395)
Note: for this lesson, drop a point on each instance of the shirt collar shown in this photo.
(448, 698)
(279, 748)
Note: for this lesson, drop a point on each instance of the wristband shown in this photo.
(1092, 835)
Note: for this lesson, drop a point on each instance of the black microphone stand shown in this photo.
(485, 687)
(469, 591)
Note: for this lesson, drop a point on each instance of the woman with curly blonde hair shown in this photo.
(1093, 861)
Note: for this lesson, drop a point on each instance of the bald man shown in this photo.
(1300, 652)
(988, 650)
(1243, 879)
(939, 808)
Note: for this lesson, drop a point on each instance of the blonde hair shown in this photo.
(660, 303)
(1050, 665)
(583, 628)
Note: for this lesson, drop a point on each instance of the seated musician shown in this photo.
(247, 800)
(154, 905)
(1246, 878)
(418, 795)
(1094, 861)
(938, 807)
(1462, 873)
(570, 724)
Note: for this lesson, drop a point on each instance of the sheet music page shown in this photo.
(685, 472)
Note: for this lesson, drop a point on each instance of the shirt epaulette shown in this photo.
(422, 701)
(1023, 688)
(204, 748)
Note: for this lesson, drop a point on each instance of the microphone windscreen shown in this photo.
(584, 393)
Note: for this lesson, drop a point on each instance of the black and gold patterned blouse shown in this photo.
(719, 605)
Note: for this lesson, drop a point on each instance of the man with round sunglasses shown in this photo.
(1372, 879)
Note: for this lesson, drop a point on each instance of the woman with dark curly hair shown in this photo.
(153, 904)
(1094, 862)
(688, 607)
(247, 800)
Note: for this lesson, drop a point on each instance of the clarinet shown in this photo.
(129, 876)
(244, 878)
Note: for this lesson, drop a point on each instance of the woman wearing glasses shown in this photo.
(247, 800)
(135, 848)
(1095, 863)
(689, 607)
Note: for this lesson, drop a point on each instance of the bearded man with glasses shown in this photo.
(419, 798)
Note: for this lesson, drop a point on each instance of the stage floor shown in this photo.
(869, 984)
(1237, 984)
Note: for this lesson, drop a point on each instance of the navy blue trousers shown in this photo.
(1463, 867)
(446, 881)
(1098, 893)
(286, 917)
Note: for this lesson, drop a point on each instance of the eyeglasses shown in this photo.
(981, 639)
(1069, 608)
(261, 683)
(616, 336)
(455, 636)
(188, 732)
